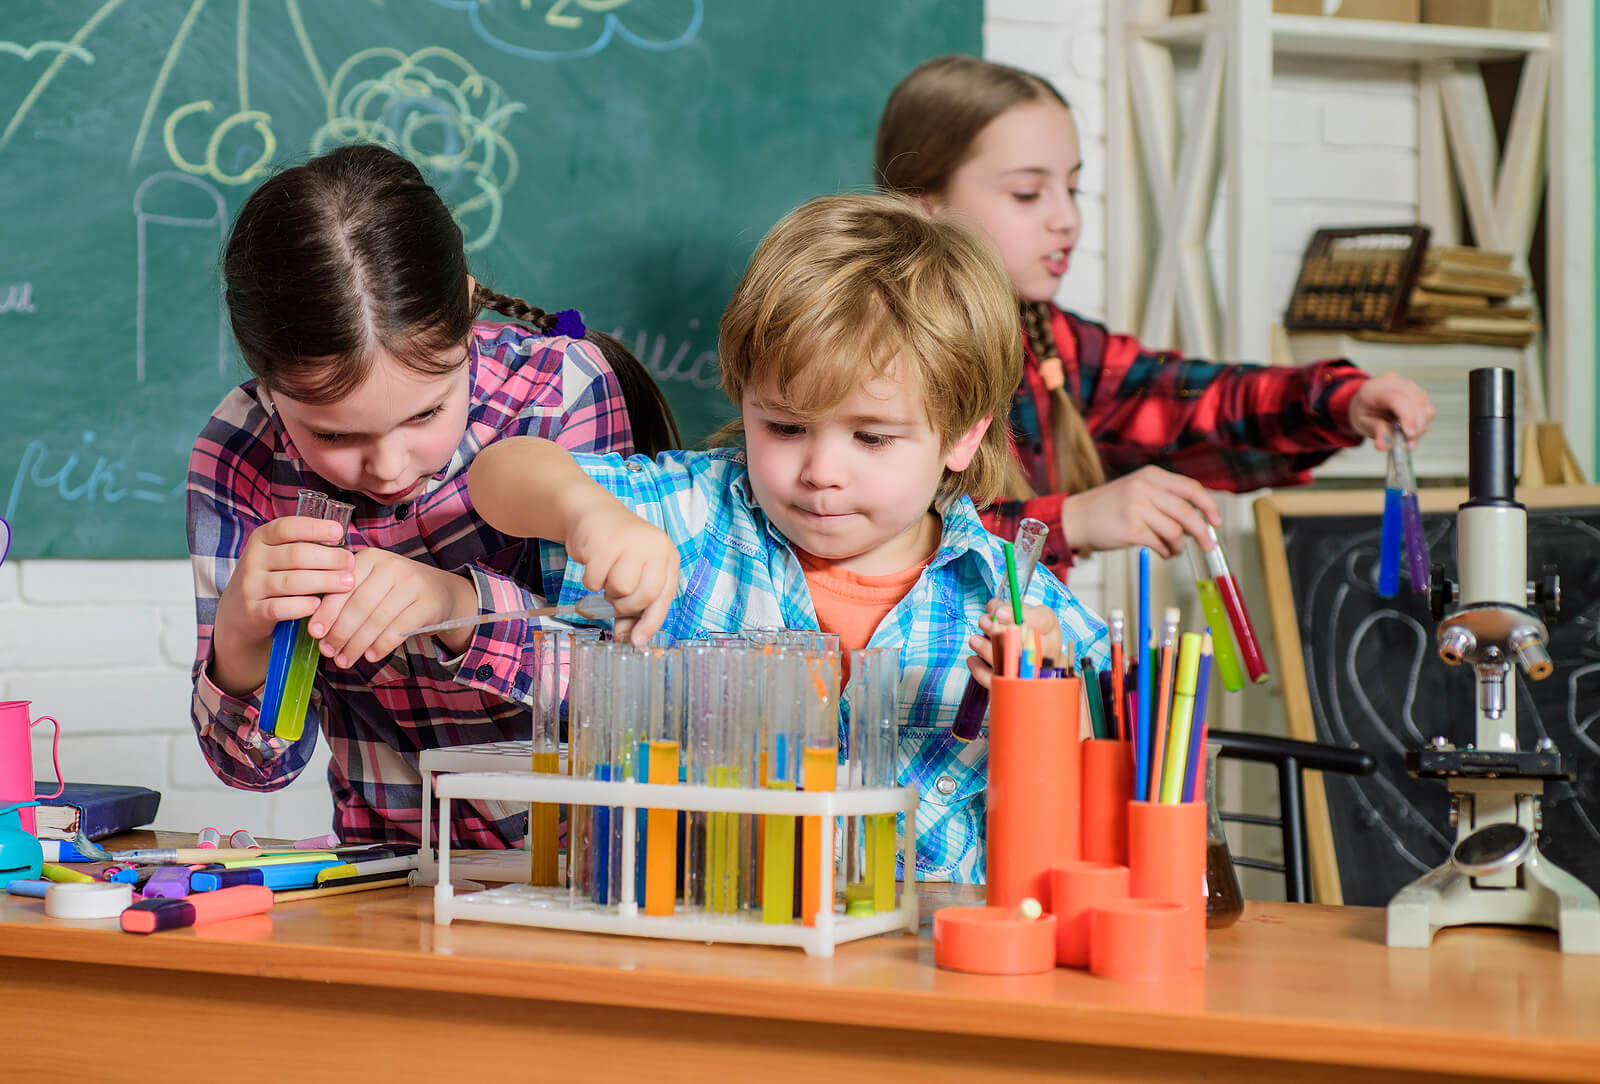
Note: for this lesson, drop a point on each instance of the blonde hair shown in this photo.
(847, 287)
(926, 133)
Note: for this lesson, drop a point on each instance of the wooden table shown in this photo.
(365, 986)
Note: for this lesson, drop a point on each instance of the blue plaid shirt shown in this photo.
(738, 571)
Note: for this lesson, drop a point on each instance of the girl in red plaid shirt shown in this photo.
(1115, 444)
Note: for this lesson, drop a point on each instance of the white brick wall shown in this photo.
(106, 645)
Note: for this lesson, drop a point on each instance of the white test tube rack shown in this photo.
(528, 905)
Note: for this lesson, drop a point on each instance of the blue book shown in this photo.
(95, 809)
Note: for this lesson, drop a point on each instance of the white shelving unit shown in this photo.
(1160, 280)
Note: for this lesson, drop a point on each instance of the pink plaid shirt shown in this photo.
(378, 717)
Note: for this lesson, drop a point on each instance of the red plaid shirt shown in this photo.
(1229, 427)
(378, 716)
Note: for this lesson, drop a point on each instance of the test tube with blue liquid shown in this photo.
(292, 666)
(974, 706)
(1402, 523)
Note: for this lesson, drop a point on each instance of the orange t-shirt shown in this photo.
(853, 605)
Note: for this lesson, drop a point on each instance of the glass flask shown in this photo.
(1224, 900)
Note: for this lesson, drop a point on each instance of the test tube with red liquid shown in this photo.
(1244, 633)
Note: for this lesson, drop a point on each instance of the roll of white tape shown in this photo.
(80, 899)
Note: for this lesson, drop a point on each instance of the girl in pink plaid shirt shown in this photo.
(348, 292)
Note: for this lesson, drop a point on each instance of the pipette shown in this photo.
(594, 607)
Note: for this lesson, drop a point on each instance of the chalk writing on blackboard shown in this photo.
(16, 297)
(506, 25)
(82, 475)
(154, 203)
(685, 365)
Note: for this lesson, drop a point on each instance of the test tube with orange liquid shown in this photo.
(819, 771)
(663, 734)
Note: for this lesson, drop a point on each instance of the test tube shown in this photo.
(699, 726)
(301, 673)
(1244, 633)
(580, 765)
(785, 732)
(546, 651)
(819, 771)
(1216, 619)
(663, 728)
(974, 704)
(1416, 543)
(873, 758)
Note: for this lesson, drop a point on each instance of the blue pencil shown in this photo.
(1141, 741)
(1197, 722)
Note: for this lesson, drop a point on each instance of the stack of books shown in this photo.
(1464, 295)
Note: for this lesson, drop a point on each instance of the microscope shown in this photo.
(1495, 873)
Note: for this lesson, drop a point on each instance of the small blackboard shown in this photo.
(1362, 670)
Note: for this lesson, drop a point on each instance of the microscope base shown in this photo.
(1545, 895)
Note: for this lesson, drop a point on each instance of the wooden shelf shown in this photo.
(1365, 39)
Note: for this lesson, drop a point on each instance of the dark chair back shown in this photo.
(1290, 757)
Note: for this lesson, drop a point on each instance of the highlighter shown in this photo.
(150, 916)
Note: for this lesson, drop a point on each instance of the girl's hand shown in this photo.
(1041, 619)
(1150, 507)
(1390, 398)
(287, 565)
(392, 596)
(633, 562)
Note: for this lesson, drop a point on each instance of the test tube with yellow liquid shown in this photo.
(547, 648)
(292, 665)
(874, 748)
(819, 771)
(663, 733)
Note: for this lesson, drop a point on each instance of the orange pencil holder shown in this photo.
(1167, 862)
(1138, 940)
(1107, 790)
(1077, 888)
(993, 941)
(1033, 815)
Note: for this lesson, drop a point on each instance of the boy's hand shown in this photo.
(1042, 619)
(392, 596)
(1390, 398)
(632, 561)
(1151, 507)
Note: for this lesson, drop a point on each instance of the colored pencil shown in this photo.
(1118, 708)
(1197, 723)
(1141, 735)
(1158, 738)
(1175, 767)
(1091, 688)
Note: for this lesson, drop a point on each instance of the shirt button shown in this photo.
(401, 511)
(635, 467)
(485, 672)
(945, 785)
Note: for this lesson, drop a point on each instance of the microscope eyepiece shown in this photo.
(1491, 436)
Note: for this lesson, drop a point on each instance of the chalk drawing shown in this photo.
(213, 219)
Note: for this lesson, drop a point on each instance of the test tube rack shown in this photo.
(527, 905)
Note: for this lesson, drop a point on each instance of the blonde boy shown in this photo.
(868, 348)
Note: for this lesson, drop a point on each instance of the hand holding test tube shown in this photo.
(292, 666)
(975, 699)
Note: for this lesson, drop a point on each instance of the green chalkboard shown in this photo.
(618, 156)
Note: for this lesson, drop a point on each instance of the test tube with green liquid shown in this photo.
(299, 674)
(1228, 669)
